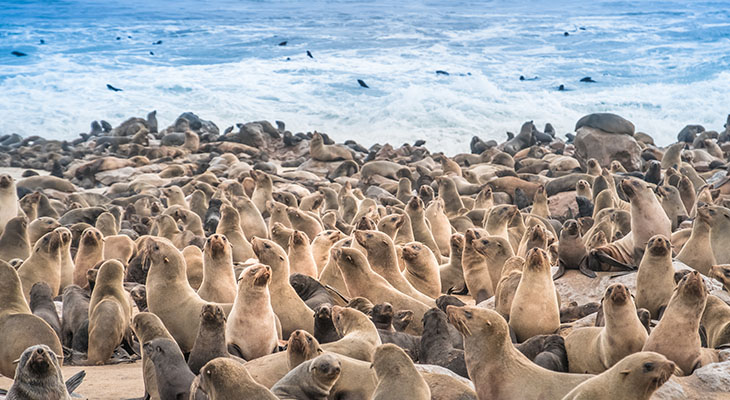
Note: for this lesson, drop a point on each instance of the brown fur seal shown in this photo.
(119, 247)
(362, 281)
(321, 246)
(476, 271)
(8, 199)
(655, 279)
(170, 296)
(304, 221)
(211, 340)
(230, 227)
(635, 377)
(252, 222)
(263, 192)
(67, 262)
(383, 259)
(269, 369)
(44, 264)
(507, 285)
(535, 309)
(251, 327)
(390, 224)
(359, 335)
(146, 327)
(14, 241)
(312, 379)
(194, 269)
(38, 376)
(327, 152)
(497, 368)
(593, 350)
(496, 251)
(440, 225)
(572, 252)
(19, 329)
(223, 379)
(451, 274)
(716, 321)
(697, 252)
(291, 310)
(300, 255)
(174, 379)
(90, 253)
(720, 225)
(110, 312)
(39, 227)
(647, 216)
(106, 224)
(421, 231)
(397, 377)
(219, 284)
(422, 269)
(677, 334)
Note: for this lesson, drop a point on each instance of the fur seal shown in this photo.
(635, 377)
(324, 327)
(75, 312)
(421, 231)
(19, 328)
(310, 290)
(251, 327)
(677, 334)
(422, 269)
(267, 370)
(41, 304)
(572, 250)
(327, 152)
(312, 379)
(14, 240)
(148, 326)
(397, 376)
(291, 310)
(301, 259)
(110, 312)
(39, 227)
(359, 335)
(497, 368)
(716, 321)
(211, 340)
(230, 227)
(321, 246)
(436, 346)
(44, 265)
(219, 284)
(535, 309)
(697, 252)
(655, 279)
(89, 254)
(223, 378)
(476, 271)
(67, 262)
(9, 200)
(173, 376)
(593, 350)
(38, 376)
(451, 274)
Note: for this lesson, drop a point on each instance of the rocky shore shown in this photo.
(556, 222)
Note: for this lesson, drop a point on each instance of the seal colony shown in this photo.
(261, 263)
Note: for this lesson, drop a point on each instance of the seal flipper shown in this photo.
(234, 350)
(603, 258)
(583, 268)
(75, 381)
(561, 271)
(461, 292)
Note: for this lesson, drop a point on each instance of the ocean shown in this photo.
(660, 64)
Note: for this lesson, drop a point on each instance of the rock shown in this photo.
(607, 122)
(644, 138)
(199, 125)
(251, 134)
(560, 204)
(376, 192)
(606, 147)
(709, 382)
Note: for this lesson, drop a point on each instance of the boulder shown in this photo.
(709, 382)
(606, 122)
(606, 147)
(560, 204)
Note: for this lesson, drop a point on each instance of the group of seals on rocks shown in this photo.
(259, 263)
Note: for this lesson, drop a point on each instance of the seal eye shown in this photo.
(648, 367)
(467, 314)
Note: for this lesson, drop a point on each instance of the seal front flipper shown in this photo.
(234, 350)
(75, 381)
(598, 258)
(561, 271)
(583, 267)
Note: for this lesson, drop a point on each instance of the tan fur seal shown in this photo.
(327, 152)
(716, 321)
(8, 199)
(14, 241)
(321, 246)
(280, 234)
(39, 227)
(230, 227)
(38, 376)
(421, 231)
(251, 327)
(535, 309)
(397, 377)
(106, 224)
(90, 253)
(635, 377)
(67, 263)
(440, 225)
(447, 191)
(497, 368)
(507, 285)
(223, 379)
(303, 221)
(300, 255)
(476, 271)
(359, 336)
(362, 281)
(496, 251)
(43, 265)
(267, 370)
(194, 269)
(170, 296)
(451, 274)
(498, 220)
(677, 334)
(572, 251)
(110, 312)
(312, 379)
(252, 222)
(331, 274)
(647, 216)
(219, 283)
(264, 190)
(422, 269)
(720, 225)
(655, 279)
(697, 252)
(19, 329)
(146, 327)
(291, 310)
(593, 350)
(390, 224)
(119, 247)
(540, 203)
(383, 259)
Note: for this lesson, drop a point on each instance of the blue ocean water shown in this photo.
(661, 64)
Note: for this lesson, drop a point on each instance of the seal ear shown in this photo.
(625, 372)
(166, 260)
(16, 361)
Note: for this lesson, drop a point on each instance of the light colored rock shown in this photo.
(606, 147)
(709, 382)
(560, 203)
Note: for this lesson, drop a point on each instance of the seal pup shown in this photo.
(324, 327)
(397, 376)
(572, 250)
(41, 304)
(655, 278)
(110, 312)
(535, 309)
(451, 274)
(312, 379)
(497, 368)
(9, 200)
(14, 240)
(44, 265)
(146, 327)
(75, 312)
(211, 340)
(38, 376)
(293, 313)
(251, 328)
(19, 328)
(593, 350)
(89, 254)
(436, 346)
(636, 377)
(219, 284)
(223, 379)
(173, 376)
(677, 334)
